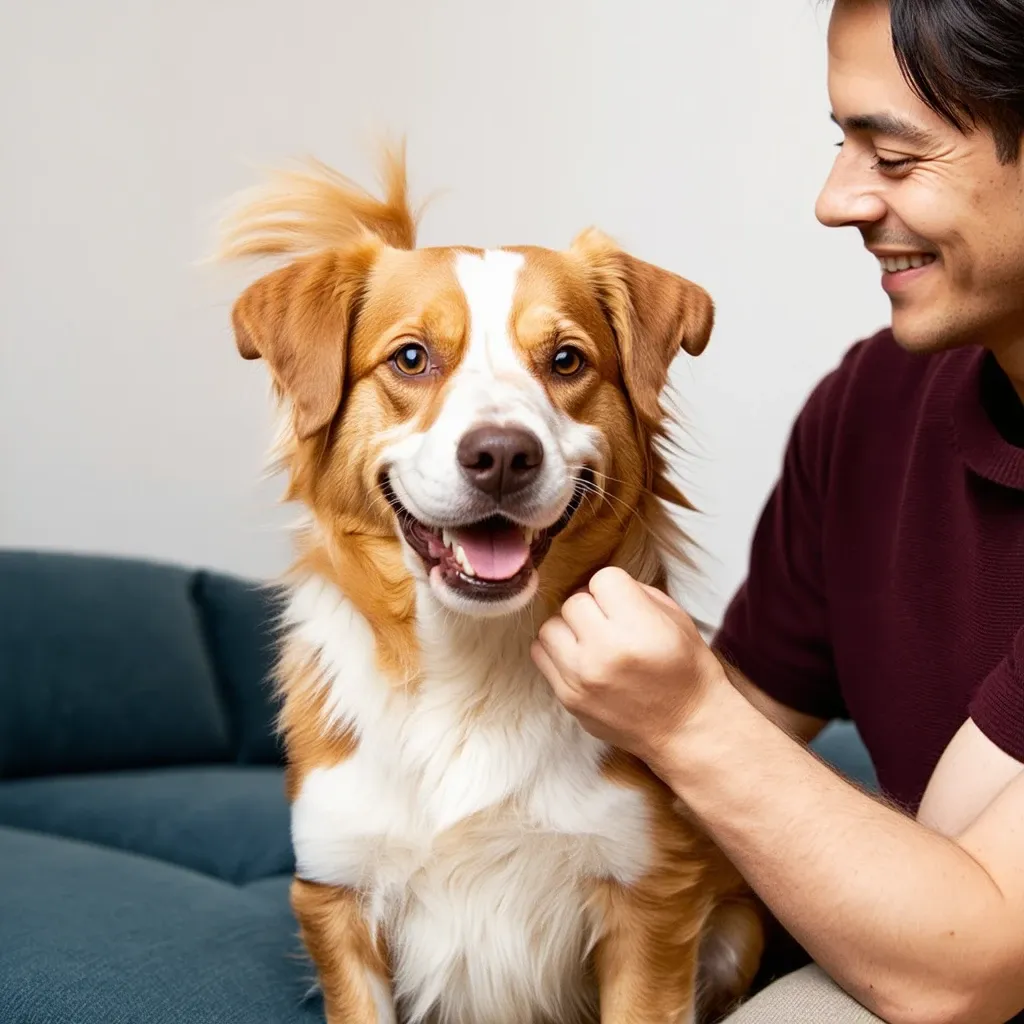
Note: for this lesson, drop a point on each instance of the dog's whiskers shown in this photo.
(642, 488)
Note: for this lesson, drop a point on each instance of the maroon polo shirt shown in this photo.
(886, 577)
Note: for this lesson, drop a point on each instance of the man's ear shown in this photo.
(299, 319)
(653, 313)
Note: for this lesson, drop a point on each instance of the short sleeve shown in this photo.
(997, 707)
(775, 630)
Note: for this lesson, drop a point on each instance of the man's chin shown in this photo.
(919, 332)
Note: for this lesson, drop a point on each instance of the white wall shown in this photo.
(694, 131)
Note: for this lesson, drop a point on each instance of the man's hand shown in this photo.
(629, 663)
(916, 925)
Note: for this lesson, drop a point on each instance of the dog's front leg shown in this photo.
(352, 967)
(646, 958)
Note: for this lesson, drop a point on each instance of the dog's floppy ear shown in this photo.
(653, 313)
(299, 319)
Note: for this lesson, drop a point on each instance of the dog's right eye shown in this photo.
(411, 360)
(568, 361)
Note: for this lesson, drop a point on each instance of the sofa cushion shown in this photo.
(274, 888)
(95, 936)
(229, 822)
(239, 619)
(840, 744)
(102, 666)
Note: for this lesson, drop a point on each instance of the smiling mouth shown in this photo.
(900, 264)
(492, 559)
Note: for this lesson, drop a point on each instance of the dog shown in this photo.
(471, 434)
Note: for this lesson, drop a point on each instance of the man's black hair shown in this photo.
(965, 59)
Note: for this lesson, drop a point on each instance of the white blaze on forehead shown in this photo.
(489, 283)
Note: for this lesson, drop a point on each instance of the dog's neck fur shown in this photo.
(413, 631)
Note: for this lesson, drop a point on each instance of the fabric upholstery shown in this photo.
(807, 996)
(96, 936)
(102, 666)
(224, 821)
(841, 746)
(239, 619)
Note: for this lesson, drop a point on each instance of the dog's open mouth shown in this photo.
(492, 559)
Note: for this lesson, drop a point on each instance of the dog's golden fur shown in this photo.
(353, 281)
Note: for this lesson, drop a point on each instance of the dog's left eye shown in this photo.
(567, 361)
(412, 360)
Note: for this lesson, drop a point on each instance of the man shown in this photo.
(887, 570)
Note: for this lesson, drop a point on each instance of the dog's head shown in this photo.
(483, 407)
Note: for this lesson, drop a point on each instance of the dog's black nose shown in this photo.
(500, 460)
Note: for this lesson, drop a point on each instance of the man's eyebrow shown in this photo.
(890, 125)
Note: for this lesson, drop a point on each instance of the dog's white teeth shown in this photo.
(528, 535)
(446, 538)
(463, 559)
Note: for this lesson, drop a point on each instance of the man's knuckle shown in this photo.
(609, 578)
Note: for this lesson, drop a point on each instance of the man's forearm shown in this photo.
(899, 915)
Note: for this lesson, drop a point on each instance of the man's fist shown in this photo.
(628, 662)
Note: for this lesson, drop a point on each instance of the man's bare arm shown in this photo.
(970, 775)
(920, 926)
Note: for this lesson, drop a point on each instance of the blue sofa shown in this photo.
(144, 844)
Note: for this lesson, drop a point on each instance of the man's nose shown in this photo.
(849, 198)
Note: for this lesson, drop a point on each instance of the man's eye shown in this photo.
(411, 360)
(892, 166)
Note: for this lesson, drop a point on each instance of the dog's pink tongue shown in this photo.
(495, 554)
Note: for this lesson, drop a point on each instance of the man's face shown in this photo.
(942, 214)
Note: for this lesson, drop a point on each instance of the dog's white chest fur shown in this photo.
(472, 815)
